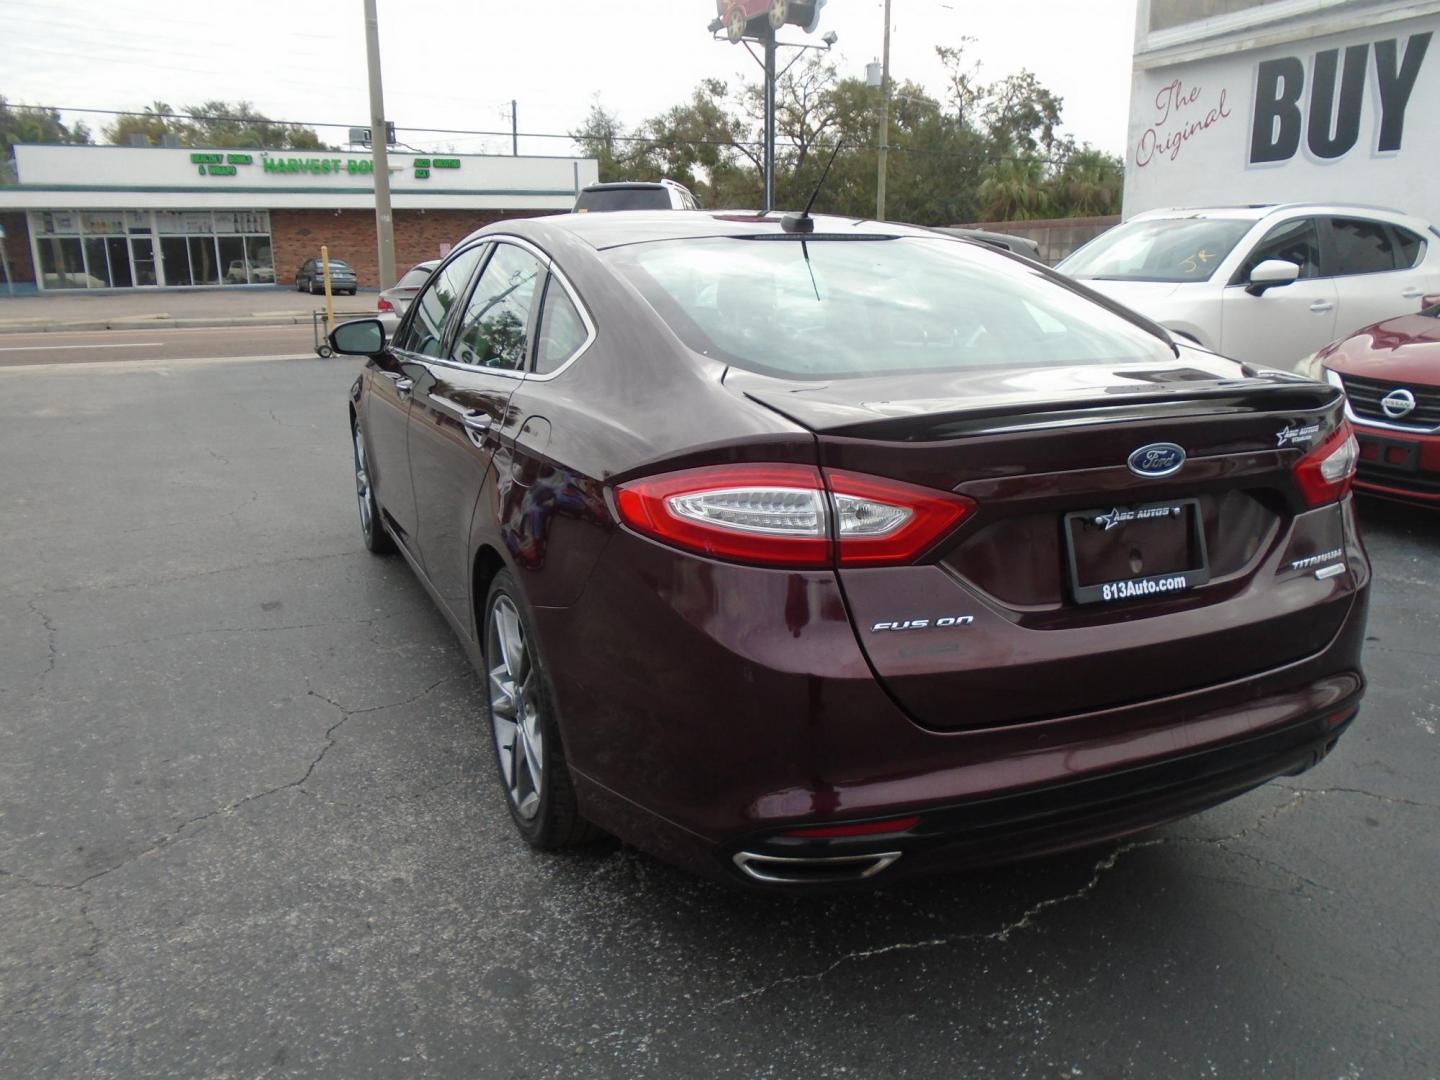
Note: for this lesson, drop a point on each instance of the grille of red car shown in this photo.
(1366, 394)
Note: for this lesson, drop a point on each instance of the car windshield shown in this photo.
(836, 308)
(1158, 249)
(655, 198)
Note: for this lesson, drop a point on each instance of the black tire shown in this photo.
(554, 819)
(372, 530)
(324, 352)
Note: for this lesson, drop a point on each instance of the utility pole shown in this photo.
(379, 132)
(514, 128)
(770, 118)
(884, 119)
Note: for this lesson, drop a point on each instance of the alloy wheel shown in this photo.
(514, 708)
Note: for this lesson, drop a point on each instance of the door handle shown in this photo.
(1321, 306)
(403, 386)
(1413, 293)
(475, 422)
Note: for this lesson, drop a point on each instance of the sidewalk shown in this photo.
(81, 310)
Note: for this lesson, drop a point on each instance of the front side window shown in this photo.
(425, 332)
(1361, 247)
(494, 332)
(832, 307)
(561, 331)
(1293, 241)
(1158, 249)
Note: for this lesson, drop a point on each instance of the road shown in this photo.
(175, 343)
(249, 824)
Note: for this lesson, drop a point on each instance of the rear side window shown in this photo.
(494, 332)
(425, 332)
(656, 198)
(1293, 241)
(1410, 248)
(561, 330)
(1361, 247)
(832, 307)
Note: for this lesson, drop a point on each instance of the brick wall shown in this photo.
(17, 247)
(350, 235)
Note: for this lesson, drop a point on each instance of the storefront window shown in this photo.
(257, 252)
(175, 257)
(62, 263)
(101, 249)
(99, 264)
(204, 270)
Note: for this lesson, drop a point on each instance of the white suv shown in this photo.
(1265, 284)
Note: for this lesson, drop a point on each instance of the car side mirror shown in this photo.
(362, 337)
(1271, 273)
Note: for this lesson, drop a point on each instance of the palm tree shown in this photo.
(1014, 189)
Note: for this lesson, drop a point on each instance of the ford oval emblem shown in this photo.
(1157, 459)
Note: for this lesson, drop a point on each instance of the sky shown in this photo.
(458, 63)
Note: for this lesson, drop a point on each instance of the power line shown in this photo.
(478, 133)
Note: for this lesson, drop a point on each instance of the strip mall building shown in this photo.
(121, 217)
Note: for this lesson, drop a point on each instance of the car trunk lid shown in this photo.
(1002, 622)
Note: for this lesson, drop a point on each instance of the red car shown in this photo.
(1391, 376)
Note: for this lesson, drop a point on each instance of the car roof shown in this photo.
(616, 229)
(1260, 211)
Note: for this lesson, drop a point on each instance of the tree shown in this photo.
(215, 123)
(1014, 189)
(1089, 183)
(32, 124)
(988, 150)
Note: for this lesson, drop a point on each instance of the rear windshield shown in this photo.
(624, 199)
(1164, 249)
(336, 264)
(414, 278)
(835, 308)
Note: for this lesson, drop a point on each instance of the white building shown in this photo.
(1269, 101)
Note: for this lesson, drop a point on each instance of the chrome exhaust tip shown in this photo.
(817, 870)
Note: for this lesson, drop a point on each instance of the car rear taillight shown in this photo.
(785, 515)
(384, 305)
(1324, 474)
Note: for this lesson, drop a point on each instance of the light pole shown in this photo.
(884, 119)
(379, 133)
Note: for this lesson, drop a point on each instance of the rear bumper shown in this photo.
(731, 705)
(1399, 464)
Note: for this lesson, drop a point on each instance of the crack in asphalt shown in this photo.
(370, 622)
(167, 839)
(52, 652)
(1027, 919)
(1391, 799)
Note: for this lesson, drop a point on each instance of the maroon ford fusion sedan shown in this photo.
(811, 551)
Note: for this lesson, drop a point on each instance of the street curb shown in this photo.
(158, 322)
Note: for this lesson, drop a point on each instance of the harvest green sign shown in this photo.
(317, 166)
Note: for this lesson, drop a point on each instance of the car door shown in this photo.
(1286, 323)
(1370, 282)
(394, 375)
(461, 426)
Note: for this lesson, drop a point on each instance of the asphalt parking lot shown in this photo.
(249, 827)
